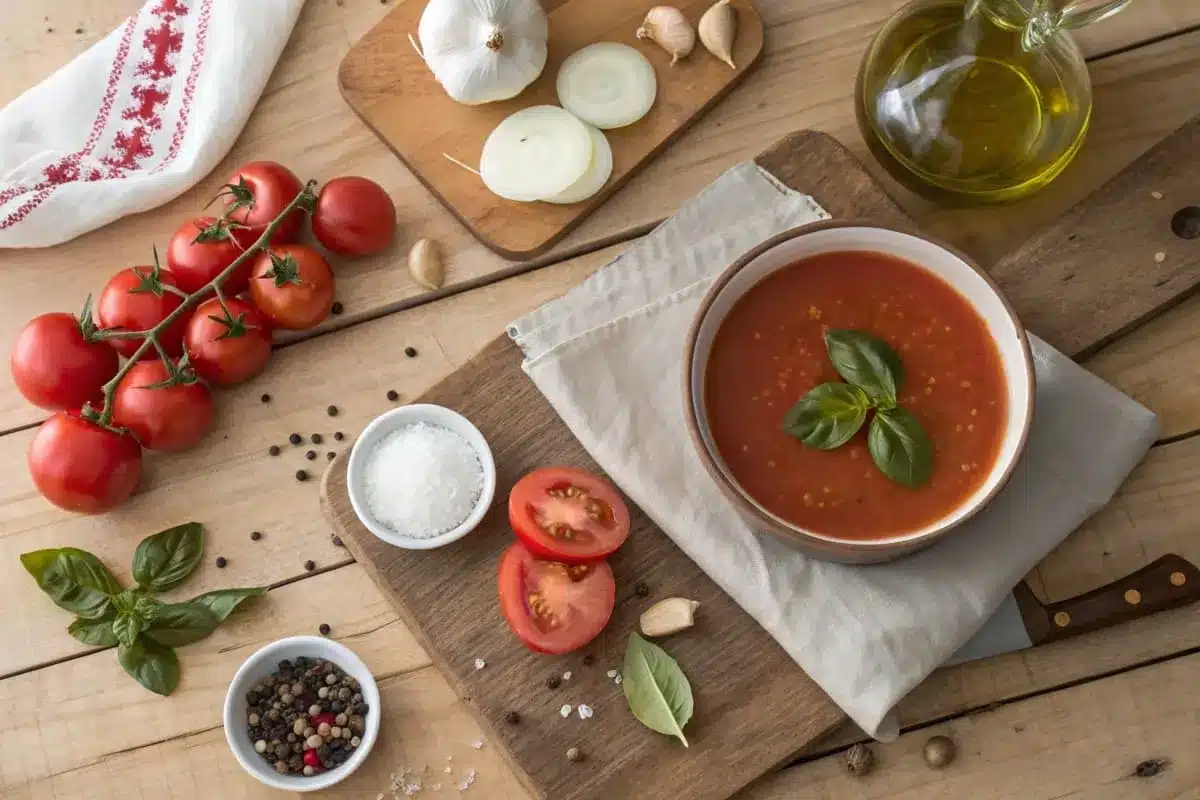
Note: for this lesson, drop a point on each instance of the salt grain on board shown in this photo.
(565, 711)
(585, 711)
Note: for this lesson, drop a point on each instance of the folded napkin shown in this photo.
(136, 120)
(608, 356)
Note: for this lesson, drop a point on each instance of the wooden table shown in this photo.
(1072, 720)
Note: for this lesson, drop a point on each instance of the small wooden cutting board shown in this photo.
(386, 82)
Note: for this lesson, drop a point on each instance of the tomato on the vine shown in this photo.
(258, 193)
(55, 364)
(200, 250)
(136, 299)
(293, 285)
(568, 514)
(226, 349)
(554, 607)
(81, 466)
(166, 410)
(354, 217)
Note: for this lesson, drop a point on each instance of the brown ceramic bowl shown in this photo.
(839, 236)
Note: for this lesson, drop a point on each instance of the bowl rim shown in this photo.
(811, 541)
(348, 661)
(419, 412)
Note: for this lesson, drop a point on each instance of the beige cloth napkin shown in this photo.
(608, 356)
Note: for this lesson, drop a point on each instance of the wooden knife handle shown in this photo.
(1169, 582)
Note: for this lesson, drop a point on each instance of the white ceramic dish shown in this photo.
(263, 663)
(384, 424)
(952, 267)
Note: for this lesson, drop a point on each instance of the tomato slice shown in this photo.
(568, 514)
(554, 607)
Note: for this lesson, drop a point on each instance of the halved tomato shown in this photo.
(568, 514)
(554, 607)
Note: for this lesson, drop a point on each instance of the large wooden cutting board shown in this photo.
(754, 707)
(387, 84)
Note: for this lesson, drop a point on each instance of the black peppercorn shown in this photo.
(274, 450)
(255, 535)
(337, 307)
(588, 660)
(324, 629)
(310, 565)
(295, 438)
(79, 30)
(393, 395)
(641, 589)
(221, 562)
(332, 411)
(266, 398)
(310, 455)
(301, 475)
(338, 436)
(512, 718)
(337, 540)
(553, 682)
(411, 352)
(330, 456)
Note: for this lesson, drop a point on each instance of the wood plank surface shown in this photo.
(805, 80)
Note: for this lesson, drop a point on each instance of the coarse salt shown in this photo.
(585, 711)
(422, 480)
(567, 675)
(565, 711)
(480, 664)
(477, 744)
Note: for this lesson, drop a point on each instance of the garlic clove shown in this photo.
(717, 28)
(425, 265)
(667, 27)
(668, 616)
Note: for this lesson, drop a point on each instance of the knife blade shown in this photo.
(1024, 621)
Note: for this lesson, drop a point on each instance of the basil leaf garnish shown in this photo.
(127, 626)
(900, 447)
(98, 632)
(151, 664)
(866, 362)
(828, 416)
(163, 560)
(222, 602)
(656, 689)
(177, 624)
(74, 579)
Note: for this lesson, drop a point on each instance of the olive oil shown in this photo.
(955, 103)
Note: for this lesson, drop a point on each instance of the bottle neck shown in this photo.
(1041, 20)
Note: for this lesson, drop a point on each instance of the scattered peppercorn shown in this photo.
(324, 628)
(310, 565)
(588, 660)
(330, 456)
(221, 562)
(295, 438)
(337, 306)
(337, 540)
(49, 30)
(512, 718)
(310, 455)
(332, 411)
(574, 754)
(274, 450)
(411, 352)
(553, 682)
(266, 398)
(255, 535)
(301, 475)
(79, 30)
(338, 436)
(393, 395)
(641, 589)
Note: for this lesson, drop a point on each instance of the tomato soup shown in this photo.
(770, 351)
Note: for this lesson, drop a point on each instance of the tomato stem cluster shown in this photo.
(304, 200)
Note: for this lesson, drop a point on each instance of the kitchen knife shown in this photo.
(1024, 621)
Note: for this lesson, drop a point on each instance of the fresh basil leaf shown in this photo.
(97, 632)
(177, 624)
(866, 362)
(75, 580)
(151, 664)
(656, 689)
(900, 447)
(163, 560)
(127, 626)
(828, 416)
(222, 602)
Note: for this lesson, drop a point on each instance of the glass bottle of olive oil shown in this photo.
(977, 100)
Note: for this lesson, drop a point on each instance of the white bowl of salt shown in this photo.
(421, 476)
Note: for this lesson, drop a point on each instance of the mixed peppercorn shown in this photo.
(307, 717)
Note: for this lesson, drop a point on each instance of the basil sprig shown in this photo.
(144, 630)
(830, 414)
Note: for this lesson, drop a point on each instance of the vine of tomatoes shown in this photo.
(137, 369)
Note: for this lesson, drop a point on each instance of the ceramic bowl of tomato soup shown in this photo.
(858, 391)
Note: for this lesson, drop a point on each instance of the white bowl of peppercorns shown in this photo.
(302, 713)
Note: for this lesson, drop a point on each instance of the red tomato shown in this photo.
(223, 353)
(568, 514)
(554, 607)
(293, 285)
(82, 467)
(256, 194)
(200, 250)
(354, 217)
(134, 300)
(55, 366)
(166, 418)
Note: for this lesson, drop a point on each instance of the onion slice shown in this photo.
(607, 84)
(537, 152)
(599, 171)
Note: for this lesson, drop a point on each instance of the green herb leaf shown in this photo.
(177, 624)
(165, 559)
(98, 632)
(222, 602)
(866, 362)
(900, 447)
(127, 626)
(74, 579)
(828, 416)
(656, 689)
(151, 664)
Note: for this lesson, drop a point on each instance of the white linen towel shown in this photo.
(138, 119)
(608, 356)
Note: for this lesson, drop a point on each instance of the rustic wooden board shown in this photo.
(385, 81)
(755, 708)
